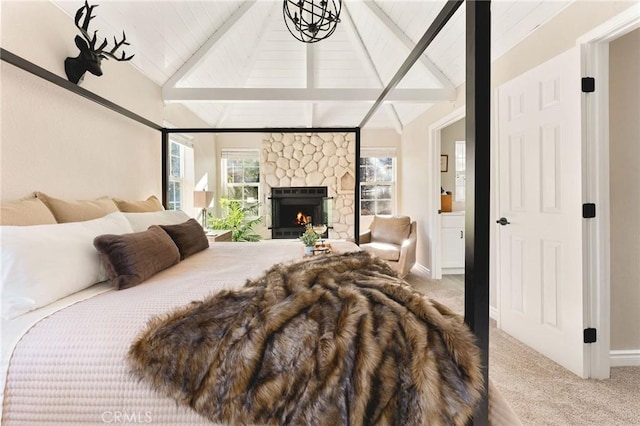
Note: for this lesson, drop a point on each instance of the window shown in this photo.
(241, 176)
(460, 170)
(176, 175)
(377, 183)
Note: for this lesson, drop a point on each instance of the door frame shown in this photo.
(594, 47)
(435, 139)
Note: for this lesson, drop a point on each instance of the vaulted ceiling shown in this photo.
(234, 63)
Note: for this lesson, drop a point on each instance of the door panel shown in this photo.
(452, 248)
(516, 172)
(516, 255)
(540, 265)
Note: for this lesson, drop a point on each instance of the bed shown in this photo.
(70, 360)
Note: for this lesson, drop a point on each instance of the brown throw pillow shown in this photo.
(132, 258)
(77, 210)
(188, 236)
(151, 204)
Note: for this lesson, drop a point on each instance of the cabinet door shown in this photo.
(452, 248)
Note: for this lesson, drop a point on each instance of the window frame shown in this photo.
(460, 176)
(252, 155)
(379, 153)
(176, 180)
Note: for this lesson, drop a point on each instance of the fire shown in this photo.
(302, 219)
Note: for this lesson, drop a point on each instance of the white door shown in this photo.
(540, 187)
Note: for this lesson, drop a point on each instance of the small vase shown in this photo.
(308, 250)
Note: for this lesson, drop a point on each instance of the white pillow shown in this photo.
(142, 221)
(43, 263)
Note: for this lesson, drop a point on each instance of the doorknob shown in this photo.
(503, 221)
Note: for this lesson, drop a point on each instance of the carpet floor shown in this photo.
(538, 390)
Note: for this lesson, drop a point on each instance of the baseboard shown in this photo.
(629, 358)
(422, 269)
(452, 271)
(493, 313)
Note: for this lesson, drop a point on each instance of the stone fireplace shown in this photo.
(292, 208)
(312, 160)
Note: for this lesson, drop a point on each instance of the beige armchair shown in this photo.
(392, 238)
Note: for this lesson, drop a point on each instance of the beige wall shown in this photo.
(382, 138)
(555, 37)
(57, 142)
(60, 143)
(624, 148)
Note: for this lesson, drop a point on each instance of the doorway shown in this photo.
(597, 117)
(452, 198)
(624, 193)
(435, 222)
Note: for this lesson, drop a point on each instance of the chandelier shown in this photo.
(311, 20)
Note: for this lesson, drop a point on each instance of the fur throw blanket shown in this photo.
(332, 340)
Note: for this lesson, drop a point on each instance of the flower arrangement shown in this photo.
(309, 237)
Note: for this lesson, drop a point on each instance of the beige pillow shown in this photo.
(151, 204)
(78, 210)
(28, 211)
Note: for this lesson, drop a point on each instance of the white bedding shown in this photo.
(14, 329)
(69, 366)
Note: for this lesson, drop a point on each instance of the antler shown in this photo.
(117, 44)
(84, 29)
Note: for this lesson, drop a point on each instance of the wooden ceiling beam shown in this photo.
(438, 23)
(199, 55)
(410, 45)
(229, 94)
(365, 57)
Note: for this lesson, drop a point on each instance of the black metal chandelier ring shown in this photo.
(311, 20)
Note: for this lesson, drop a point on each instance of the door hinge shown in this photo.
(588, 210)
(590, 335)
(588, 84)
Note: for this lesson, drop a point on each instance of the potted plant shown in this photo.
(309, 238)
(237, 220)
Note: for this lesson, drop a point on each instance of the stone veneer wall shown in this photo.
(313, 159)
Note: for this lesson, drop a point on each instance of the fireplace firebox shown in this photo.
(294, 207)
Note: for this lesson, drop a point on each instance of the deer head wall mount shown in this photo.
(90, 56)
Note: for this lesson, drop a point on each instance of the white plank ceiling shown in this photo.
(234, 64)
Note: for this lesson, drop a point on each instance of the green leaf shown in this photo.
(236, 220)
